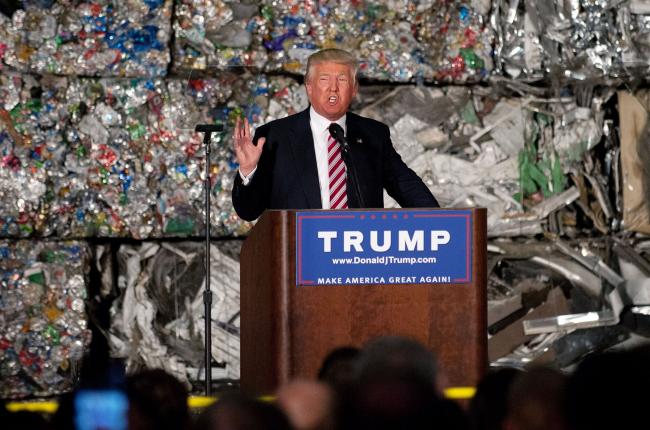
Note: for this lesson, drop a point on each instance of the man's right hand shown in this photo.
(247, 154)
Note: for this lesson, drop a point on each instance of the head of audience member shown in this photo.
(487, 409)
(389, 401)
(157, 401)
(603, 391)
(309, 405)
(331, 82)
(338, 367)
(394, 401)
(395, 387)
(237, 412)
(536, 401)
(397, 356)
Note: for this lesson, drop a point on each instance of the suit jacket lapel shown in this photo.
(352, 133)
(302, 146)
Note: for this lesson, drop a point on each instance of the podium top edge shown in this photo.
(375, 210)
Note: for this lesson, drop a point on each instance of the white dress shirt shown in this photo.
(320, 131)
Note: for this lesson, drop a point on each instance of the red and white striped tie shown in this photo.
(336, 167)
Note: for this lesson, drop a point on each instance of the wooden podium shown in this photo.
(286, 330)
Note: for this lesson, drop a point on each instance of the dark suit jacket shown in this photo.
(287, 176)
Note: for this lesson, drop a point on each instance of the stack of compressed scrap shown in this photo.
(395, 41)
(117, 157)
(578, 40)
(217, 35)
(88, 38)
(43, 327)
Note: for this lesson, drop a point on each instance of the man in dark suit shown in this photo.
(294, 162)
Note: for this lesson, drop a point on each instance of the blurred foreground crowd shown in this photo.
(391, 383)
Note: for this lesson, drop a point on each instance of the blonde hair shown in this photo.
(333, 55)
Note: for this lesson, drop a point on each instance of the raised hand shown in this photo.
(247, 154)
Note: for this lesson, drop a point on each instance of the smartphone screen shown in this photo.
(101, 410)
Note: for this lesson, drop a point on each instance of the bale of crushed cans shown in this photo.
(88, 38)
(395, 40)
(43, 321)
(119, 157)
(577, 40)
(399, 41)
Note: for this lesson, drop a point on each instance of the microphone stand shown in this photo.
(336, 131)
(207, 130)
(349, 163)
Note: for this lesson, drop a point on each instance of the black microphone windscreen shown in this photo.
(337, 133)
(208, 128)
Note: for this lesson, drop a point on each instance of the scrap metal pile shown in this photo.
(119, 157)
(158, 319)
(43, 320)
(508, 105)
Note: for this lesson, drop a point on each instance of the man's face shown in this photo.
(330, 89)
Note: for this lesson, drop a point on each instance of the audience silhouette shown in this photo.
(390, 383)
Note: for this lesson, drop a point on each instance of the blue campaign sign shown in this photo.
(383, 247)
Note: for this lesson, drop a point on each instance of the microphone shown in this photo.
(337, 133)
(208, 128)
